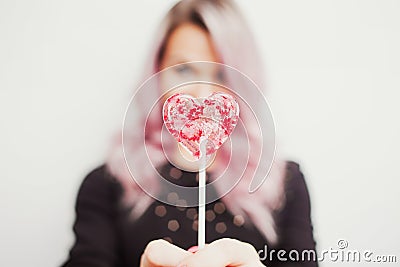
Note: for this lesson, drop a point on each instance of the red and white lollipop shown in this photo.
(192, 120)
(195, 120)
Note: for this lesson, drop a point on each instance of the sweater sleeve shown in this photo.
(94, 228)
(294, 222)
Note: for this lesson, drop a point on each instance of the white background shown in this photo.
(67, 69)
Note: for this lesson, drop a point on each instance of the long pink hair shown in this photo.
(236, 47)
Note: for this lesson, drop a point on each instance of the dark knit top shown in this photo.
(107, 236)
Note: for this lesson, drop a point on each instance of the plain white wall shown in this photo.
(67, 69)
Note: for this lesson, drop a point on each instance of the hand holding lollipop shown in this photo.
(162, 253)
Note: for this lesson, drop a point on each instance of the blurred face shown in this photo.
(189, 42)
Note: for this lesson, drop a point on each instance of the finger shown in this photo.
(162, 253)
(224, 252)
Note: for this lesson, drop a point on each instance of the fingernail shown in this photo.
(193, 249)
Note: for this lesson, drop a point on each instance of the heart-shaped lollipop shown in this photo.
(192, 120)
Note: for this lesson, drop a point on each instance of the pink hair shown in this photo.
(236, 47)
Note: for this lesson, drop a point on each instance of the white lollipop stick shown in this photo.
(202, 196)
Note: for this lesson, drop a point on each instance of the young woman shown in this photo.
(118, 224)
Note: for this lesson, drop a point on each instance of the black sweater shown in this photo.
(106, 236)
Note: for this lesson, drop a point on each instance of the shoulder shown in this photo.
(294, 177)
(98, 176)
(297, 197)
(297, 204)
(293, 221)
(99, 185)
(292, 169)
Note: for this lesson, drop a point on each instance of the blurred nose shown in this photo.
(201, 90)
